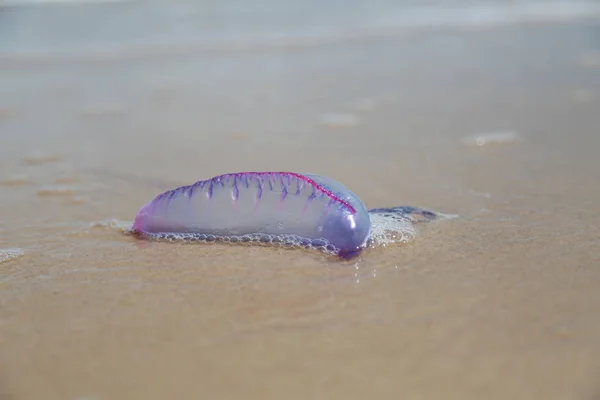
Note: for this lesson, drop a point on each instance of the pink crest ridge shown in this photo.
(303, 178)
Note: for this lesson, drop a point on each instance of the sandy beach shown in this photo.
(497, 124)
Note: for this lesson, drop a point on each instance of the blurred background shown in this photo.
(108, 27)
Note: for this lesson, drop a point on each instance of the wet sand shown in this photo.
(501, 303)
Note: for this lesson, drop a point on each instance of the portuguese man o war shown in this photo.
(285, 208)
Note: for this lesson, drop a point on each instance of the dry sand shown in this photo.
(502, 303)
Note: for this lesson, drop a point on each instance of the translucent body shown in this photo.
(300, 209)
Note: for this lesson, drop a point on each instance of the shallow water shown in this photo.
(499, 303)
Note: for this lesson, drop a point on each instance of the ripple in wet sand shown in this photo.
(67, 192)
(65, 179)
(40, 159)
(16, 180)
(56, 190)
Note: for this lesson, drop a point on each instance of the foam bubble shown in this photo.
(388, 229)
(10, 254)
(398, 224)
(286, 240)
(113, 223)
(484, 139)
(335, 120)
(79, 200)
